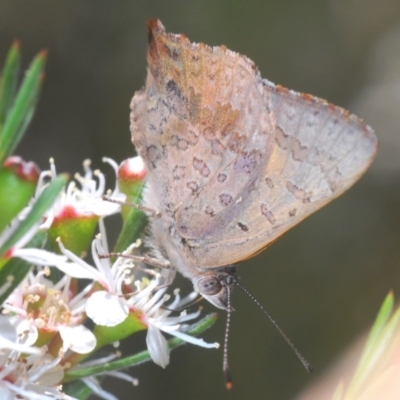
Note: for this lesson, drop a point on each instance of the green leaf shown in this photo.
(111, 334)
(379, 325)
(134, 360)
(18, 181)
(40, 206)
(15, 270)
(135, 220)
(9, 78)
(23, 108)
(378, 344)
(132, 229)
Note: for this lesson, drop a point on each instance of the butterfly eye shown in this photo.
(209, 285)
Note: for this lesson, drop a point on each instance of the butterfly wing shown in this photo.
(319, 151)
(193, 140)
(235, 161)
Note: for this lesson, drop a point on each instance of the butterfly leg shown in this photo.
(150, 212)
(145, 259)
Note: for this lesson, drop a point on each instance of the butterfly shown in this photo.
(233, 161)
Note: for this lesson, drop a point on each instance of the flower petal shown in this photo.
(106, 309)
(8, 332)
(157, 346)
(187, 338)
(8, 338)
(27, 329)
(46, 258)
(77, 338)
(6, 393)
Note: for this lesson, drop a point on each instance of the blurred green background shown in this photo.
(324, 280)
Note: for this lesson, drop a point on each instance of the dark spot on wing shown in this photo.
(243, 227)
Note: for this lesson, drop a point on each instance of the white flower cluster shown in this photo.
(39, 307)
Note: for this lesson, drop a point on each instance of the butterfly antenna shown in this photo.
(225, 364)
(305, 363)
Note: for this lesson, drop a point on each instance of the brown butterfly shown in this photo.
(233, 160)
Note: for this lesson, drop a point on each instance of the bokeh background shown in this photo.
(324, 280)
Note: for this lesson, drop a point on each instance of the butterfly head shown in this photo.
(215, 285)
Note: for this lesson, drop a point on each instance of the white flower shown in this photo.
(157, 317)
(86, 200)
(110, 306)
(43, 306)
(35, 376)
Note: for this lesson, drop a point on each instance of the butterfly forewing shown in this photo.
(199, 126)
(235, 161)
